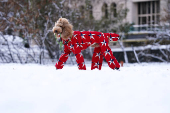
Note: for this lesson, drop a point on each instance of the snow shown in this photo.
(136, 88)
(10, 38)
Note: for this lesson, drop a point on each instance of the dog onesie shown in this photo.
(82, 40)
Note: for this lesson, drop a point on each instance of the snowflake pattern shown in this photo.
(111, 61)
(82, 35)
(97, 64)
(104, 43)
(71, 46)
(82, 43)
(107, 52)
(65, 42)
(61, 64)
(88, 43)
(91, 36)
(99, 35)
(83, 64)
(98, 55)
(111, 38)
(79, 45)
(81, 55)
(75, 36)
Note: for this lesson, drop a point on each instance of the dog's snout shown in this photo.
(55, 31)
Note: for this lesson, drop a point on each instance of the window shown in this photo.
(157, 6)
(148, 12)
(144, 20)
(139, 8)
(153, 7)
(153, 19)
(90, 12)
(143, 7)
(149, 20)
(113, 10)
(105, 10)
(149, 8)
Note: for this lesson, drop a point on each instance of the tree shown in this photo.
(27, 18)
(33, 21)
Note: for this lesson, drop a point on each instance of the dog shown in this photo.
(76, 41)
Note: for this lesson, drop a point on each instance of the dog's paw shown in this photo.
(117, 68)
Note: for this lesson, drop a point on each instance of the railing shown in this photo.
(148, 28)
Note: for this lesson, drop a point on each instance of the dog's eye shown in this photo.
(55, 31)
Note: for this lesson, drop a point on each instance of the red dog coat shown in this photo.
(82, 40)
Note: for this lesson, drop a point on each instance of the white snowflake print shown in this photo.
(97, 64)
(104, 43)
(91, 36)
(107, 52)
(111, 61)
(82, 35)
(98, 55)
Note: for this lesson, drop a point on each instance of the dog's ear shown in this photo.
(60, 19)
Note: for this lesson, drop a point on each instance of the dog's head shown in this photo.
(63, 27)
(57, 30)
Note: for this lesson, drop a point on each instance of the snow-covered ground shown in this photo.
(137, 88)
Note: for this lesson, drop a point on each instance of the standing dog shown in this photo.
(76, 41)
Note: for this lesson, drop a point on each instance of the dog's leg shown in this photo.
(80, 61)
(111, 60)
(97, 59)
(63, 58)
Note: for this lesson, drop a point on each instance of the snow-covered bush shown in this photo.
(13, 51)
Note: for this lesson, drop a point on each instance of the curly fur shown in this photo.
(63, 27)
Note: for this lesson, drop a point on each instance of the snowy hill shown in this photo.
(137, 88)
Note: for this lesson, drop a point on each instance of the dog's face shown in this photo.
(63, 27)
(57, 30)
(59, 25)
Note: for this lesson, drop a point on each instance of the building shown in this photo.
(141, 12)
(145, 15)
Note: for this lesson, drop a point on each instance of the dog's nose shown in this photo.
(55, 31)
